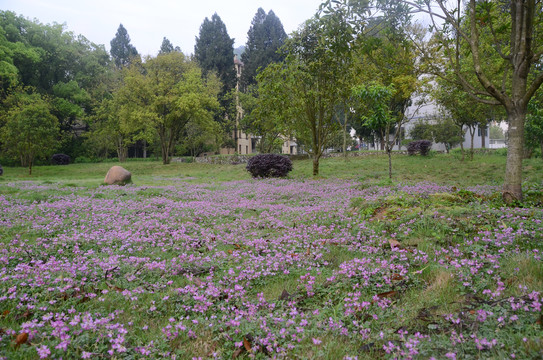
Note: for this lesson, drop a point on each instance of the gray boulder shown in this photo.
(118, 175)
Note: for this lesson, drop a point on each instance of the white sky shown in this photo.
(147, 22)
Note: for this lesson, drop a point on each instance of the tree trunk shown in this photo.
(389, 152)
(145, 149)
(30, 168)
(315, 165)
(164, 152)
(345, 140)
(541, 145)
(472, 134)
(462, 148)
(512, 185)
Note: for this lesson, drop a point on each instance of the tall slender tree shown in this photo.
(264, 39)
(122, 51)
(214, 51)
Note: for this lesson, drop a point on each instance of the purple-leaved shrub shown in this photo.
(269, 165)
(419, 147)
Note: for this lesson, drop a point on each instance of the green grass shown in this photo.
(438, 223)
(439, 168)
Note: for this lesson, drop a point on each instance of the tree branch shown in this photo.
(533, 88)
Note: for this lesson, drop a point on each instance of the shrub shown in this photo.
(83, 160)
(419, 146)
(60, 159)
(269, 165)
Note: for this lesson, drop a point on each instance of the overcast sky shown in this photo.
(147, 22)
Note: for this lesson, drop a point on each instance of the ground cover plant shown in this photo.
(350, 268)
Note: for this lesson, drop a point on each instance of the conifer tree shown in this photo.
(122, 51)
(214, 51)
(264, 39)
(166, 47)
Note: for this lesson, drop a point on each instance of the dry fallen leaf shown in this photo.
(246, 344)
(5, 313)
(394, 244)
(308, 252)
(396, 277)
(284, 295)
(21, 339)
(237, 353)
(388, 294)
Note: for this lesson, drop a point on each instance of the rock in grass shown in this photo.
(118, 175)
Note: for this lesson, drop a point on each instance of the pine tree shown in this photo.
(166, 47)
(264, 38)
(214, 51)
(122, 51)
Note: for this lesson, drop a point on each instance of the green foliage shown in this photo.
(167, 47)
(30, 130)
(264, 39)
(162, 99)
(261, 117)
(122, 52)
(422, 130)
(445, 131)
(534, 123)
(214, 52)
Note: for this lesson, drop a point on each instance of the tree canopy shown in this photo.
(214, 52)
(264, 39)
(122, 51)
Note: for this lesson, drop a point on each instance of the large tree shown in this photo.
(306, 87)
(122, 51)
(70, 70)
(30, 130)
(505, 48)
(264, 38)
(164, 94)
(214, 52)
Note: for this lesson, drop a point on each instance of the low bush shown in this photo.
(421, 147)
(60, 159)
(269, 165)
(83, 160)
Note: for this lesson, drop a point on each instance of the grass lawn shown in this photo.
(440, 168)
(201, 261)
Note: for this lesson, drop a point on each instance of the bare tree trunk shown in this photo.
(345, 141)
(315, 165)
(462, 148)
(472, 134)
(389, 152)
(145, 149)
(512, 187)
